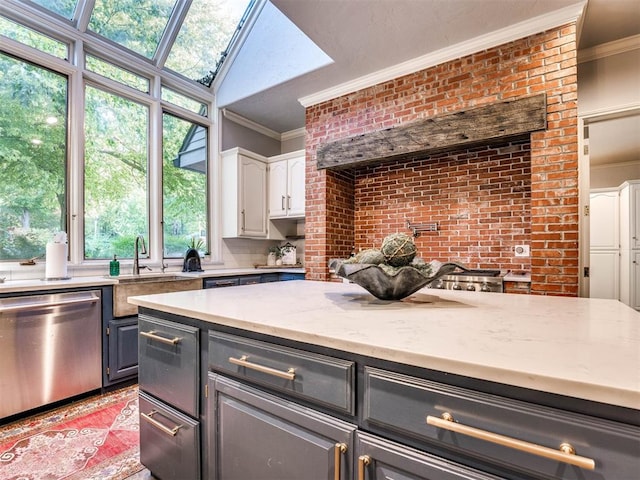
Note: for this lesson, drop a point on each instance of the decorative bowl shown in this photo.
(397, 285)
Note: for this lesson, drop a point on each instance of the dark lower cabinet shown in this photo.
(255, 435)
(381, 459)
(122, 362)
(170, 440)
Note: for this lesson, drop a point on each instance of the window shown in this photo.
(204, 36)
(34, 39)
(135, 24)
(184, 185)
(116, 73)
(115, 174)
(33, 152)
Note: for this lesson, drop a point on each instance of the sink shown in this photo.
(134, 285)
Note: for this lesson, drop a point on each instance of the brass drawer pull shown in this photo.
(169, 341)
(149, 418)
(290, 374)
(340, 450)
(363, 461)
(566, 452)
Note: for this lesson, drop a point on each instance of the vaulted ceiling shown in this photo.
(365, 41)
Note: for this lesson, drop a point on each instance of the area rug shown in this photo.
(94, 439)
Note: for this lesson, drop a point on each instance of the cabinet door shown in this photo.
(296, 187)
(253, 193)
(123, 348)
(254, 435)
(278, 189)
(380, 459)
(604, 274)
(604, 222)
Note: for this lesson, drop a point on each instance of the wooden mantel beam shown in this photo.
(485, 124)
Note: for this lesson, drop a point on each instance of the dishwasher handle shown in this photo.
(25, 307)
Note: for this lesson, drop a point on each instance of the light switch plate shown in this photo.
(522, 250)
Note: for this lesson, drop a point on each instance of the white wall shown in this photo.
(607, 84)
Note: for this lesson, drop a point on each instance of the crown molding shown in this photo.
(513, 32)
(291, 134)
(250, 124)
(606, 166)
(611, 48)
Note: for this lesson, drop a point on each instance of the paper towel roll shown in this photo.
(56, 260)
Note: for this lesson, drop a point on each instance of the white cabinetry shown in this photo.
(615, 243)
(244, 194)
(630, 243)
(287, 185)
(604, 254)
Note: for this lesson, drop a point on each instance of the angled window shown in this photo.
(135, 24)
(117, 74)
(115, 174)
(64, 8)
(183, 101)
(184, 186)
(33, 151)
(205, 35)
(33, 39)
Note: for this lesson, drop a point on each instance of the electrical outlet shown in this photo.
(521, 250)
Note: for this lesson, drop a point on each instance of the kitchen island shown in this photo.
(573, 361)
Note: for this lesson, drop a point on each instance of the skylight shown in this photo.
(135, 24)
(204, 37)
(190, 38)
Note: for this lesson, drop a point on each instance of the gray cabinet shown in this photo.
(255, 435)
(122, 335)
(380, 459)
(169, 381)
(232, 281)
(169, 440)
(519, 438)
(280, 409)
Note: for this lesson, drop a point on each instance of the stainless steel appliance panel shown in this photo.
(50, 349)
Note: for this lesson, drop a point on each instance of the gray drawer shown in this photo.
(402, 404)
(169, 441)
(169, 362)
(324, 380)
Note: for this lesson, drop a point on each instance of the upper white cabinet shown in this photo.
(605, 227)
(244, 194)
(287, 185)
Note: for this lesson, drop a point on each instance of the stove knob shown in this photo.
(457, 286)
(471, 288)
(440, 285)
(485, 288)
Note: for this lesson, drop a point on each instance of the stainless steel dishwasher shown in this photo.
(50, 348)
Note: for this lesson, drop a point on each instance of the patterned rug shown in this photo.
(94, 439)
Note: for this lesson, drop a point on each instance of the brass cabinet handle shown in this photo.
(290, 374)
(565, 453)
(153, 336)
(340, 450)
(149, 418)
(363, 461)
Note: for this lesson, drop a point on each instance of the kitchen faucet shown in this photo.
(136, 253)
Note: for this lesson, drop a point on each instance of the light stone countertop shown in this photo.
(577, 347)
(36, 284)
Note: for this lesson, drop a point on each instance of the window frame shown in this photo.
(81, 42)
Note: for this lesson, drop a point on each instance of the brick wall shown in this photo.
(526, 194)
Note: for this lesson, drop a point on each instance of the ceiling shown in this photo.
(363, 37)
